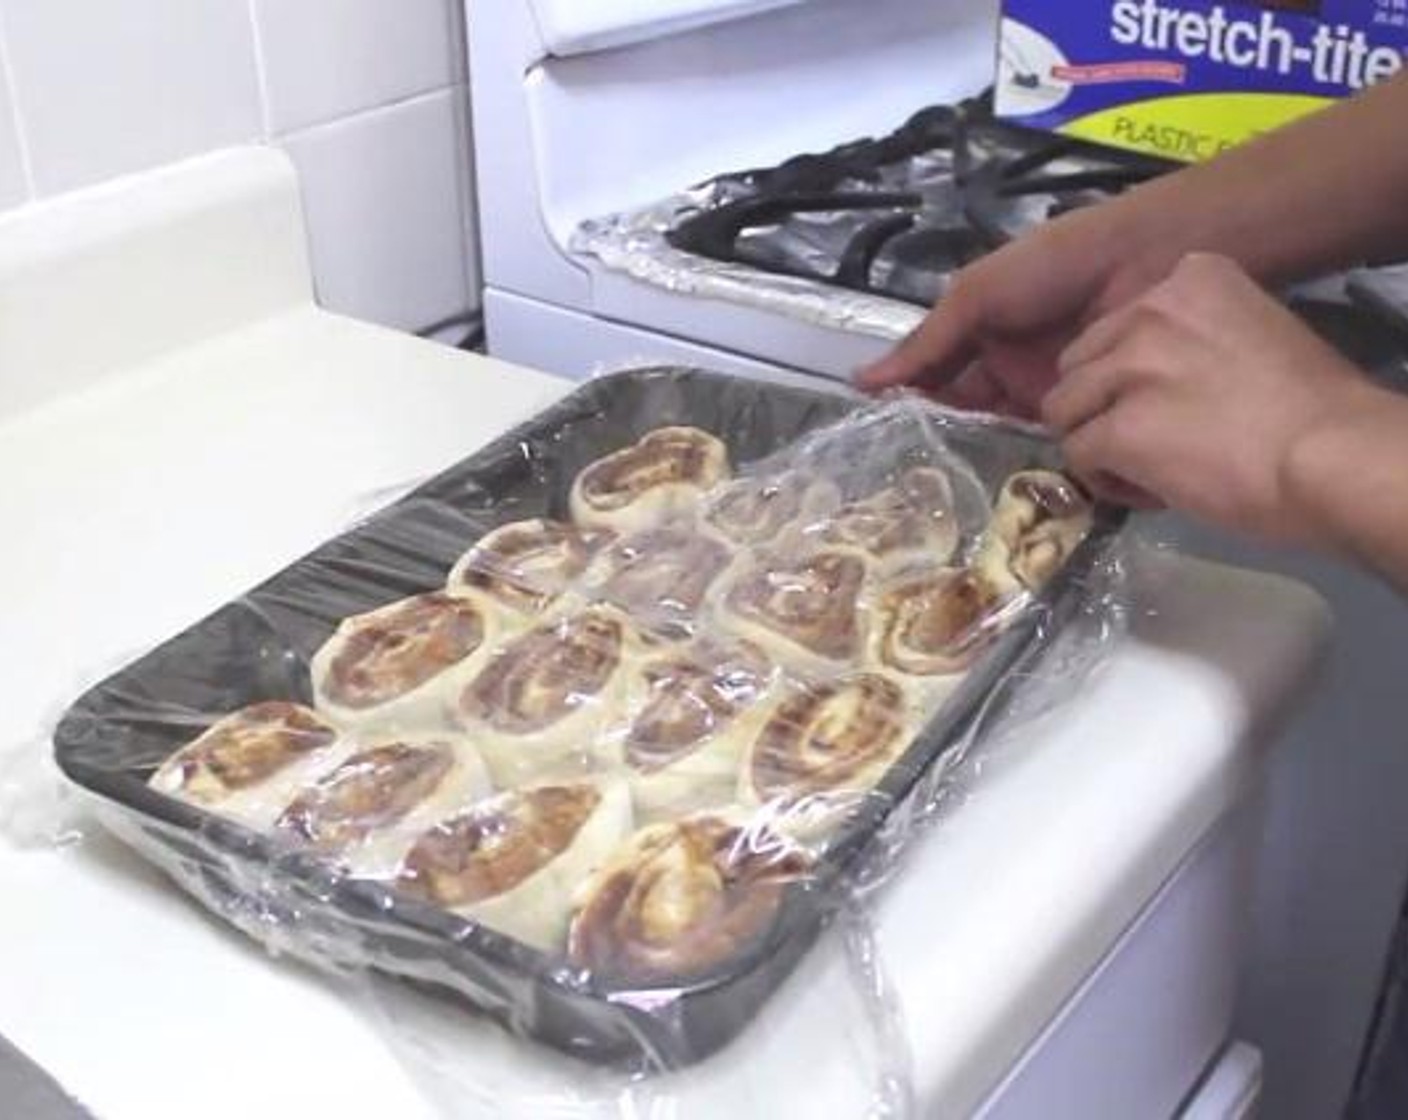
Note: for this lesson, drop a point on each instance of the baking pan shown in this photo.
(258, 648)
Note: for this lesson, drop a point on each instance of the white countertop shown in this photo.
(105, 971)
(145, 501)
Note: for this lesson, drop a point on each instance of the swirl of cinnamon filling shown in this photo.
(392, 651)
(665, 457)
(496, 845)
(546, 674)
(680, 900)
(830, 738)
(1041, 517)
(692, 698)
(371, 790)
(938, 624)
(813, 602)
(528, 564)
(753, 511)
(665, 570)
(244, 750)
(916, 513)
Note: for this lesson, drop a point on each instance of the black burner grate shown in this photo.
(897, 216)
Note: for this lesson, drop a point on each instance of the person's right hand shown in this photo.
(1203, 393)
(991, 343)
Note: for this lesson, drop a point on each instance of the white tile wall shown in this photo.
(105, 88)
(382, 190)
(367, 95)
(327, 58)
(14, 183)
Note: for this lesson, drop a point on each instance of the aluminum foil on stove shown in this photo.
(635, 243)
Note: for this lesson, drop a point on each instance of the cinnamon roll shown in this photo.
(824, 747)
(662, 475)
(754, 512)
(395, 667)
(368, 810)
(807, 611)
(247, 764)
(936, 624)
(661, 576)
(512, 862)
(908, 524)
(698, 709)
(526, 565)
(540, 705)
(679, 901)
(1038, 520)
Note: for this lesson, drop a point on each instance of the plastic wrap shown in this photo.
(596, 732)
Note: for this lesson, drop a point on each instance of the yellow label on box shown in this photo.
(1194, 126)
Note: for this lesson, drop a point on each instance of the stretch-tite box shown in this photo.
(1185, 79)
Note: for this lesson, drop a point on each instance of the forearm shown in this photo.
(1324, 193)
(1347, 477)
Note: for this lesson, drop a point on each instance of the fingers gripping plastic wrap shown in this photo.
(594, 736)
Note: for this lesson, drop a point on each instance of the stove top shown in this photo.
(866, 237)
(896, 217)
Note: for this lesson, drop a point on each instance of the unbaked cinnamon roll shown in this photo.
(752, 512)
(936, 624)
(910, 523)
(367, 810)
(807, 608)
(662, 475)
(246, 765)
(539, 704)
(395, 667)
(829, 742)
(679, 901)
(662, 575)
(698, 710)
(1038, 520)
(512, 862)
(526, 565)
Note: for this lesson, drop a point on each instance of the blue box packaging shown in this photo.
(1185, 79)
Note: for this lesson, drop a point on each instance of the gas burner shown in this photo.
(896, 217)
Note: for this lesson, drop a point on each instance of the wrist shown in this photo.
(1124, 242)
(1210, 208)
(1152, 228)
(1329, 457)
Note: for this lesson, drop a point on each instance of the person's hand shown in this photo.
(991, 342)
(1198, 393)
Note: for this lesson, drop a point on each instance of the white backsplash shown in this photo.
(393, 266)
(367, 96)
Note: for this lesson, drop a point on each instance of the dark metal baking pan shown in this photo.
(258, 647)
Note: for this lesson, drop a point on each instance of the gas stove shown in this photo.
(889, 219)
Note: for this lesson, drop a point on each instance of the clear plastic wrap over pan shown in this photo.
(859, 460)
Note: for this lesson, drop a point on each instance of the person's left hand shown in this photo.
(1194, 395)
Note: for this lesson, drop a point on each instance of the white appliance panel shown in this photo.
(1182, 956)
(572, 344)
(1233, 1088)
(571, 27)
